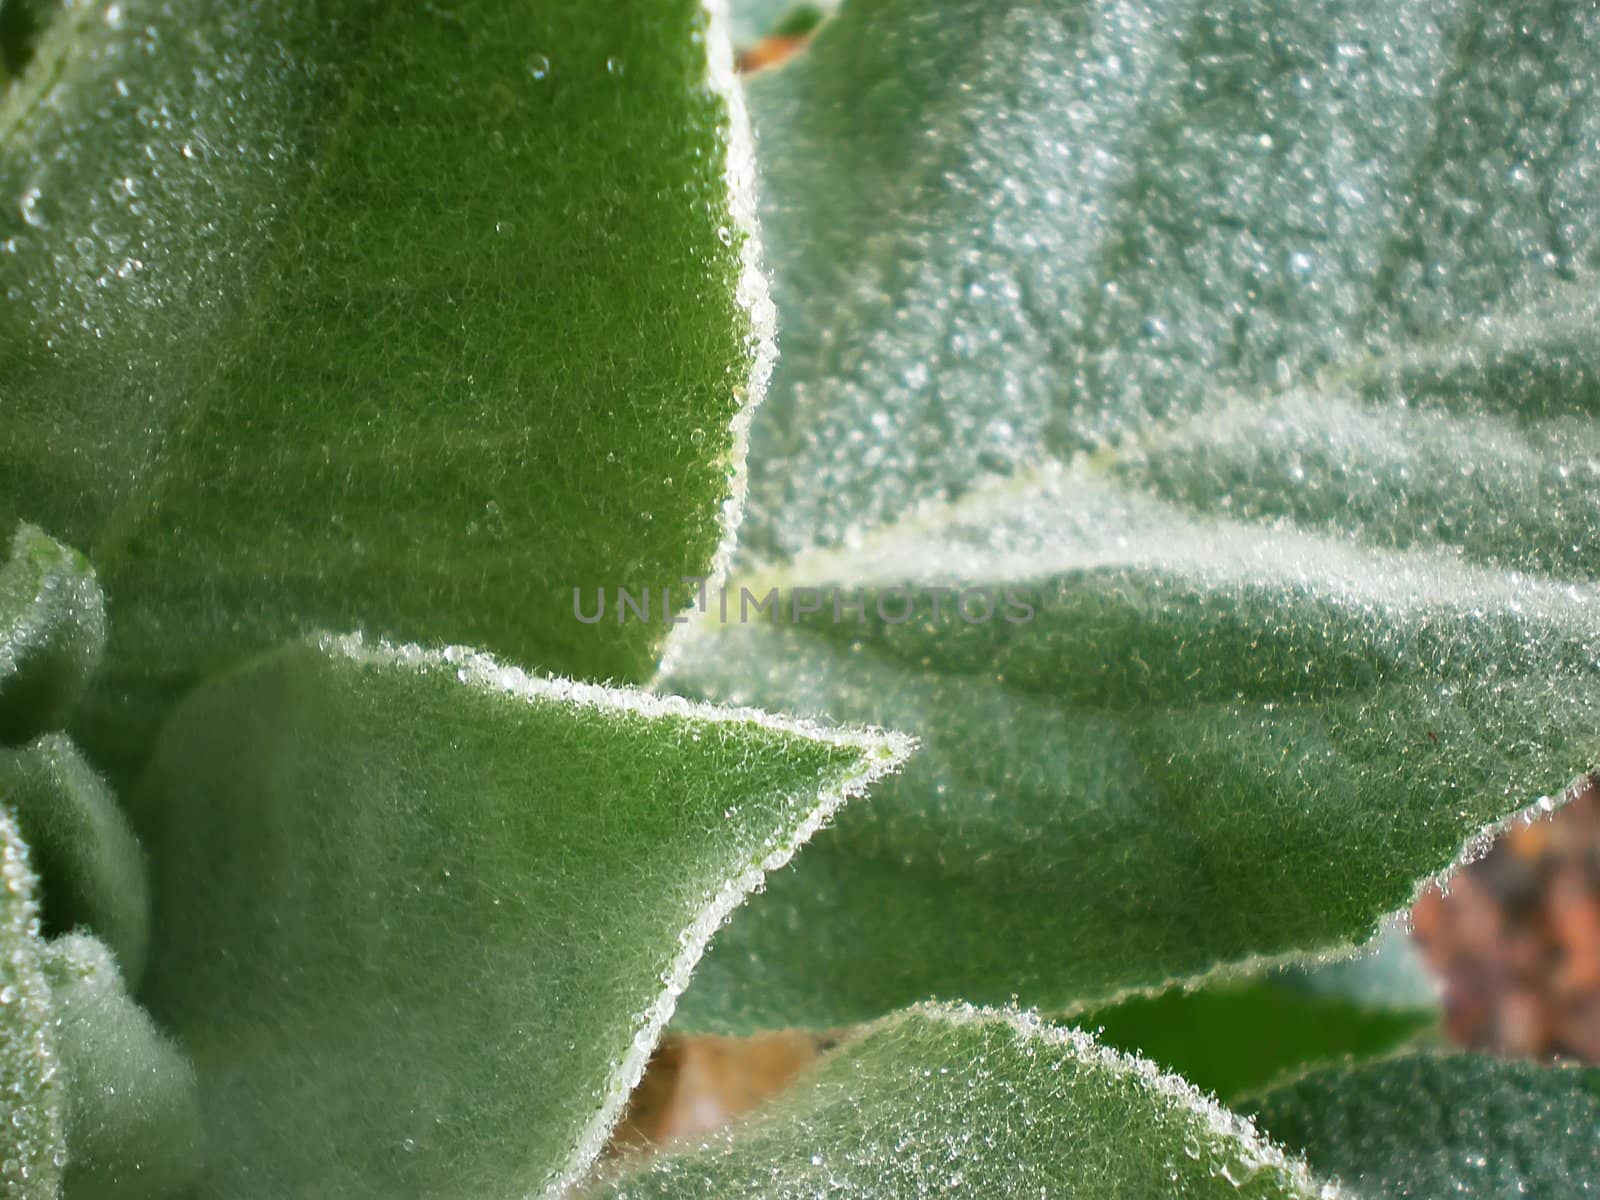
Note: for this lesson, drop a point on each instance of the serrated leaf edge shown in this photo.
(1082, 1047)
(753, 290)
(1473, 848)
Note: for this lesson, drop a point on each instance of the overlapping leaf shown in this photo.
(32, 1135)
(1447, 1125)
(963, 1102)
(413, 317)
(80, 842)
(420, 918)
(52, 631)
(1215, 379)
(130, 1119)
(93, 1101)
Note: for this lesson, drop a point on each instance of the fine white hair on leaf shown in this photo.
(1230, 1127)
(880, 753)
(753, 291)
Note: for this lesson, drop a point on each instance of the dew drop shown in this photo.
(28, 205)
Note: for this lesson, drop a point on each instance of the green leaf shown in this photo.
(52, 630)
(1242, 353)
(1209, 743)
(414, 317)
(420, 918)
(964, 1102)
(1448, 1125)
(132, 1126)
(32, 1141)
(1239, 1036)
(82, 846)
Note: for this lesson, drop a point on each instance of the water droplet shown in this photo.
(28, 205)
(614, 66)
(539, 67)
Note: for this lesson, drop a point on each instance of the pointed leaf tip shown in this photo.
(470, 897)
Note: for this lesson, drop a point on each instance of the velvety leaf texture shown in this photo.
(82, 845)
(408, 317)
(132, 1125)
(32, 1142)
(1428, 1126)
(1185, 415)
(420, 918)
(964, 1102)
(52, 630)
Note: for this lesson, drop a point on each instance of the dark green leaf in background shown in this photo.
(1429, 1126)
(1239, 1036)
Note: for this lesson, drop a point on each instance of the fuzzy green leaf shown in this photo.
(420, 918)
(1210, 743)
(409, 317)
(32, 1142)
(52, 630)
(82, 845)
(132, 1127)
(1252, 343)
(963, 1102)
(1451, 1125)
